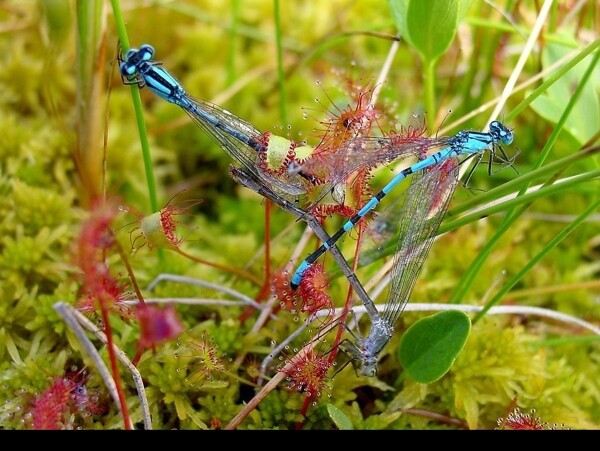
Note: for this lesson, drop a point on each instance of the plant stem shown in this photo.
(135, 374)
(246, 275)
(233, 34)
(113, 382)
(430, 88)
(91, 56)
(137, 105)
(280, 68)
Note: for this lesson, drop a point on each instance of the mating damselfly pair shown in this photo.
(285, 170)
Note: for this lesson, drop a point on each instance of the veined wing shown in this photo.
(426, 202)
(240, 141)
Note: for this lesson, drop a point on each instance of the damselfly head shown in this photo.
(131, 53)
(501, 132)
(369, 368)
(133, 57)
(365, 365)
(146, 52)
(126, 68)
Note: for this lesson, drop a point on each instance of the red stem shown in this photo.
(113, 364)
(268, 206)
(266, 286)
(246, 275)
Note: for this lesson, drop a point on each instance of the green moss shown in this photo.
(23, 380)
(279, 410)
(36, 207)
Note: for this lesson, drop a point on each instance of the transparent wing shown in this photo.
(237, 138)
(426, 202)
(363, 153)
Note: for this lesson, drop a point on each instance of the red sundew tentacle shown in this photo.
(407, 134)
(313, 290)
(412, 134)
(346, 123)
(271, 162)
(95, 238)
(169, 225)
(306, 371)
(50, 407)
(66, 395)
(361, 189)
(349, 122)
(518, 421)
(115, 300)
(324, 211)
(100, 288)
(288, 298)
(159, 229)
(263, 163)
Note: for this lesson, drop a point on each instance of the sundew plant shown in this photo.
(166, 166)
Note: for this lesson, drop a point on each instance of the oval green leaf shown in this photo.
(431, 26)
(340, 419)
(430, 346)
(583, 121)
(399, 10)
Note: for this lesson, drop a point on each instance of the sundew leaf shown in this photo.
(428, 26)
(429, 347)
(340, 419)
(583, 121)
